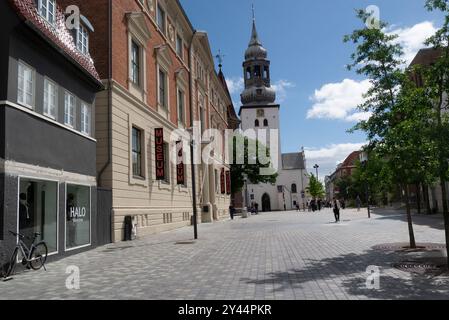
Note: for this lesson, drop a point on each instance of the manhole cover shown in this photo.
(421, 268)
(185, 242)
(406, 247)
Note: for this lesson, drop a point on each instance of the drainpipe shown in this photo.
(109, 138)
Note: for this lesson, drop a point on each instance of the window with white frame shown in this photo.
(25, 88)
(69, 109)
(181, 103)
(47, 9)
(135, 63)
(83, 40)
(50, 99)
(162, 83)
(161, 19)
(179, 46)
(85, 118)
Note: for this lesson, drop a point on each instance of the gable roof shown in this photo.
(425, 57)
(58, 34)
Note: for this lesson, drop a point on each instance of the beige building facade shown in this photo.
(159, 73)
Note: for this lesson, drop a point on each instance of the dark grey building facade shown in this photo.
(48, 85)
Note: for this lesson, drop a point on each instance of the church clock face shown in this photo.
(260, 113)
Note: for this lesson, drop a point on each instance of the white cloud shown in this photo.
(235, 85)
(339, 101)
(329, 157)
(412, 38)
(281, 88)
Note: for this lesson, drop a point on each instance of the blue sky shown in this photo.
(308, 57)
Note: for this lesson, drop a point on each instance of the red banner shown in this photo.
(180, 174)
(160, 156)
(222, 179)
(228, 182)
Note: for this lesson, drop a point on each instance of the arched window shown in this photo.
(248, 73)
(294, 188)
(266, 74)
(257, 72)
(257, 124)
(265, 123)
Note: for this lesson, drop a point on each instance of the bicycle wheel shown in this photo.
(12, 263)
(38, 256)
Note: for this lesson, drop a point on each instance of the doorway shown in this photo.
(266, 203)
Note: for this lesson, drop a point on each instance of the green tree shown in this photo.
(315, 188)
(396, 128)
(436, 84)
(250, 164)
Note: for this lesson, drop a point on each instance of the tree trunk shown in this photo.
(409, 218)
(427, 199)
(446, 215)
(418, 197)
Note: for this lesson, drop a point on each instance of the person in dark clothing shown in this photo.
(232, 211)
(337, 207)
(256, 207)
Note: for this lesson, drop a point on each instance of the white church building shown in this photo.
(259, 111)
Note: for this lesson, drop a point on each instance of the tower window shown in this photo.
(256, 123)
(266, 73)
(257, 71)
(248, 73)
(265, 123)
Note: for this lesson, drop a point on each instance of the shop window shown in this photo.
(38, 211)
(78, 217)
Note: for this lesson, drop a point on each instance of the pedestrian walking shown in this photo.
(256, 207)
(358, 203)
(232, 211)
(337, 207)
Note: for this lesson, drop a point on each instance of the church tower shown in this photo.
(259, 109)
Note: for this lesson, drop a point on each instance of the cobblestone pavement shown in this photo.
(270, 256)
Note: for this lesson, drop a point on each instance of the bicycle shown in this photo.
(33, 257)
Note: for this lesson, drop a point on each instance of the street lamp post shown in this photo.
(195, 209)
(316, 167)
(364, 162)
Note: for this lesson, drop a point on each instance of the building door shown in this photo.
(266, 203)
(104, 216)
